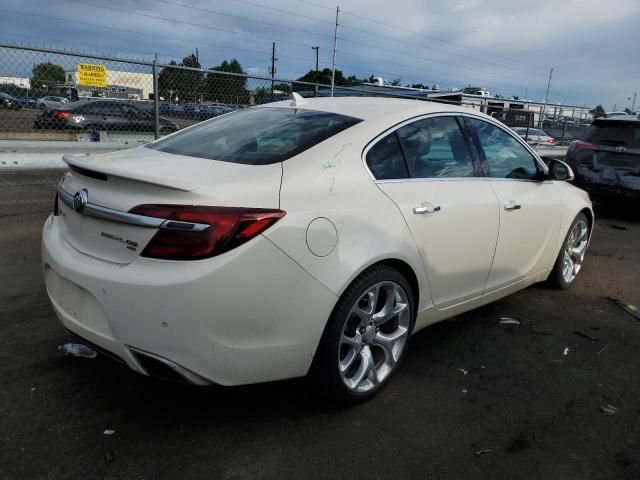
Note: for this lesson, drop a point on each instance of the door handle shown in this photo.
(427, 208)
(512, 206)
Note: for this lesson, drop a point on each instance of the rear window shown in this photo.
(260, 136)
(624, 134)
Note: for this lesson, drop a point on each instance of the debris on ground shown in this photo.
(608, 410)
(464, 372)
(508, 321)
(630, 308)
(482, 452)
(464, 390)
(109, 432)
(602, 349)
(566, 351)
(617, 227)
(77, 350)
(584, 335)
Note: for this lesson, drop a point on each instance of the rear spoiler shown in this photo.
(138, 176)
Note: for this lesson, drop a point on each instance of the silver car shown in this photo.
(51, 102)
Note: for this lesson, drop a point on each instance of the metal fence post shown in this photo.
(156, 98)
(564, 131)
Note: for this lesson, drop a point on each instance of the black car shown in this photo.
(102, 115)
(8, 102)
(606, 161)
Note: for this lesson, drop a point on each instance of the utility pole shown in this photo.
(335, 43)
(316, 74)
(633, 105)
(273, 66)
(546, 98)
(197, 57)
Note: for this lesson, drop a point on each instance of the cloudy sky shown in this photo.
(507, 46)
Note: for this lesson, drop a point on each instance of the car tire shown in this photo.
(572, 254)
(358, 343)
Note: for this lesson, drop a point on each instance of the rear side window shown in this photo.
(385, 159)
(435, 148)
(259, 136)
(614, 133)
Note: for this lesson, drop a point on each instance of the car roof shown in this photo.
(369, 108)
(617, 120)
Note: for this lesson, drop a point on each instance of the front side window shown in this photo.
(435, 148)
(506, 156)
(256, 136)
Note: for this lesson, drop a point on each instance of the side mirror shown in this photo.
(559, 170)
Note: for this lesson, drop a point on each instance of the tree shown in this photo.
(627, 110)
(597, 112)
(395, 82)
(226, 88)
(178, 84)
(46, 74)
(323, 77)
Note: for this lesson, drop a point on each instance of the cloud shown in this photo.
(507, 46)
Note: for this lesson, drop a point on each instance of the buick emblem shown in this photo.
(80, 200)
(620, 149)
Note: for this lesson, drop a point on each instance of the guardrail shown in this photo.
(30, 155)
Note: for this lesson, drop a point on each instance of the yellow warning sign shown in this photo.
(91, 75)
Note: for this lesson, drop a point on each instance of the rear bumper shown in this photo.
(250, 315)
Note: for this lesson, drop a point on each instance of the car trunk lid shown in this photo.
(116, 182)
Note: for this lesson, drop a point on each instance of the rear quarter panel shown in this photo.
(330, 181)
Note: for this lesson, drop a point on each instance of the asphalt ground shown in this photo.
(473, 399)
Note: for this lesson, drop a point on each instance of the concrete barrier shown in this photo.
(18, 154)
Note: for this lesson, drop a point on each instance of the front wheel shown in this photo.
(366, 337)
(572, 253)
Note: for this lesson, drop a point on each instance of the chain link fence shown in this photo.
(48, 94)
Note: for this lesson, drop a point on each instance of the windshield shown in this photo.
(624, 134)
(259, 136)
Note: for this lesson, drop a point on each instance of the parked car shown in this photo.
(8, 102)
(51, 102)
(606, 160)
(209, 111)
(534, 136)
(102, 115)
(311, 237)
(27, 102)
(616, 114)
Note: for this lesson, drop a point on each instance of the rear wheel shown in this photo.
(366, 337)
(572, 253)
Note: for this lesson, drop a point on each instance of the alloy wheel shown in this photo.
(374, 336)
(574, 251)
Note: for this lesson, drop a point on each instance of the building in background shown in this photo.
(21, 82)
(122, 85)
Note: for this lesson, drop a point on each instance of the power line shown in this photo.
(430, 37)
(182, 22)
(208, 27)
(146, 34)
(215, 12)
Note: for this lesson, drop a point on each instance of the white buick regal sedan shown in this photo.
(306, 237)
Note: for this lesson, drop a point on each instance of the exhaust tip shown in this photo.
(166, 370)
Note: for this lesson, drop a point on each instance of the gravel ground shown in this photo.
(534, 410)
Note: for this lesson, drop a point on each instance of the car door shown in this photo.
(530, 208)
(426, 168)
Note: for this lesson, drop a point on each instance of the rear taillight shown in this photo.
(228, 227)
(580, 145)
(62, 115)
(551, 140)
